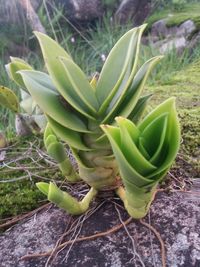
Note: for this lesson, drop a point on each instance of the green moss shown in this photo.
(18, 197)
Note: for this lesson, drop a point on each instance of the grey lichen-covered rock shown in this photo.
(160, 29)
(176, 218)
(166, 38)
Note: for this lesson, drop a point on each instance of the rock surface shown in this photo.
(166, 38)
(175, 217)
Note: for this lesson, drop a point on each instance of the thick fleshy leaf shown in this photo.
(8, 99)
(49, 101)
(14, 67)
(154, 134)
(79, 82)
(172, 138)
(118, 71)
(59, 74)
(127, 171)
(72, 138)
(129, 99)
(130, 150)
(139, 109)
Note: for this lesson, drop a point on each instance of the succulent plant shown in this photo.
(144, 153)
(28, 115)
(76, 108)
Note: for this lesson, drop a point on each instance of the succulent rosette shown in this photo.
(76, 108)
(144, 153)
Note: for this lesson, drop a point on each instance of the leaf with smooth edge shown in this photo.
(172, 139)
(120, 90)
(43, 187)
(49, 102)
(50, 48)
(52, 52)
(71, 137)
(126, 170)
(8, 99)
(142, 148)
(14, 67)
(80, 84)
(113, 69)
(130, 127)
(116, 91)
(131, 152)
(154, 134)
(117, 69)
(167, 106)
(139, 109)
(128, 103)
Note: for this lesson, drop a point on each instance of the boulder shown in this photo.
(178, 43)
(174, 216)
(166, 38)
(160, 29)
(79, 10)
(135, 10)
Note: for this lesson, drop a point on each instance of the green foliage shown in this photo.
(144, 153)
(178, 5)
(8, 99)
(75, 109)
(18, 197)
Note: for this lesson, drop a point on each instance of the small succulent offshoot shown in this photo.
(28, 117)
(75, 108)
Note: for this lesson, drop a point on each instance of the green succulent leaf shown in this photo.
(79, 83)
(172, 136)
(130, 150)
(72, 138)
(49, 101)
(119, 70)
(126, 169)
(139, 108)
(130, 97)
(8, 99)
(62, 76)
(14, 67)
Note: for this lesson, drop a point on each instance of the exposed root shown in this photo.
(162, 245)
(135, 253)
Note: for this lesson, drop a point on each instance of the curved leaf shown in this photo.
(8, 99)
(52, 53)
(71, 137)
(49, 101)
(119, 70)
